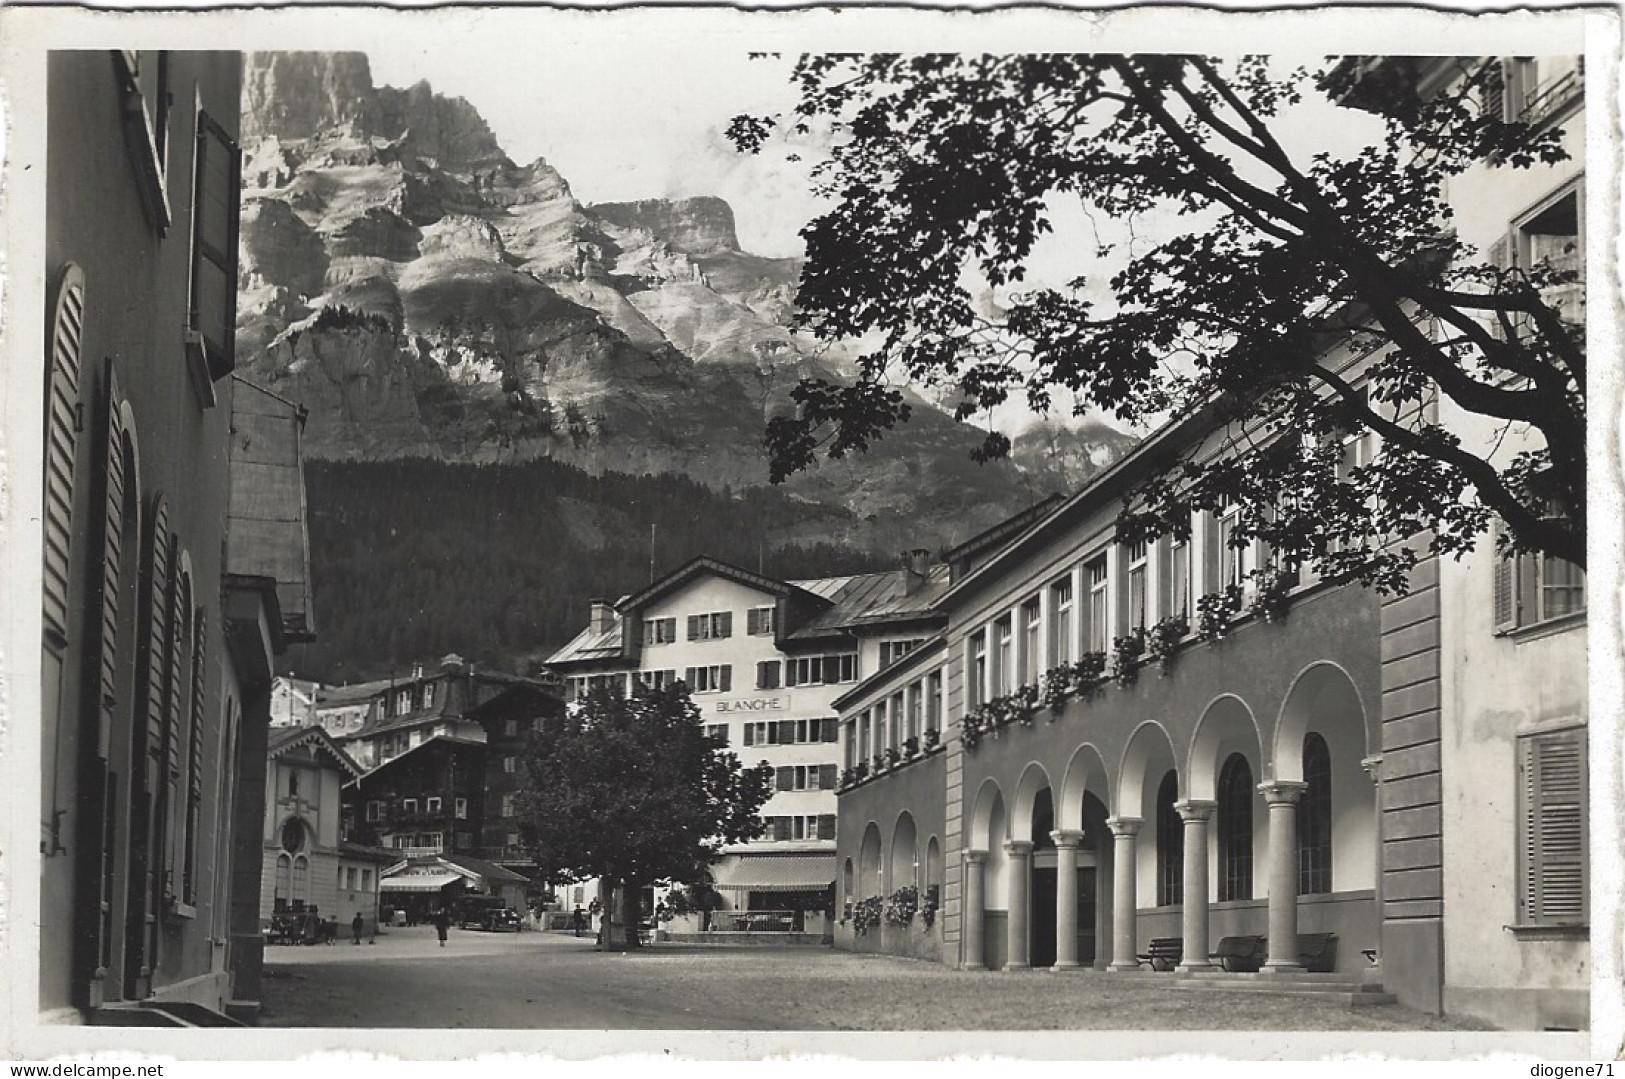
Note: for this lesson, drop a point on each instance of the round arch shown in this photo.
(1148, 756)
(1323, 698)
(869, 882)
(1085, 774)
(904, 869)
(1034, 780)
(1227, 726)
(988, 806)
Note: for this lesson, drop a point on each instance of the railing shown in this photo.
(757, 921)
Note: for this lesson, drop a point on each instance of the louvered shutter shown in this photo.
(826, 777)
(688, 677)
(753, 622)
(727, 677)
(693, 627)
(1165, 579)
(63, 423)
(750, 734)
(787, 732)
(786, 779)
(216, 188)
(1504, 593)
(1554, 839)
(727, 624)
(194, 763)
(1494, 91)
(832, 730)
(113, 541)
(826, 826)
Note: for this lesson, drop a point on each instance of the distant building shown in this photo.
(176, 561)
(440, 753)
(421, 884)
(293, 702)
(764, 659)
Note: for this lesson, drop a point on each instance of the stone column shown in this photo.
(1195, 813)
(1066, 897)
(971, 912)
(1282, 797)
(1125, 865)
(1018, 956)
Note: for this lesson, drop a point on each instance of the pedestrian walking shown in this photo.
(356, 925)
(442, 922)
(578, 920)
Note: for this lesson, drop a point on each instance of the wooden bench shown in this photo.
(1318, 952)
(1163, 953)
(1241, 954)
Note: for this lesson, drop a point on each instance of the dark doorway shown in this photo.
(1043, 942)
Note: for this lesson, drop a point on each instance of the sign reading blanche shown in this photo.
(754, 705)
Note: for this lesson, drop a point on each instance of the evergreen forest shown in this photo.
(414, 558)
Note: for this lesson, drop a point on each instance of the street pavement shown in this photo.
(540, 981)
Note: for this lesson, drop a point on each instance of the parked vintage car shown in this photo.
(486, 912)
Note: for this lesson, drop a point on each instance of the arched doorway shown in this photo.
(869, 882)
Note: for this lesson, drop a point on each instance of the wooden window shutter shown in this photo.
(826, 826)
(64, 420)
(787, 732)
(1554, 828)
(688, 677)
(194, 763)
(832, 730)
(1494, 91)
(750, 734)
(1504, 590)
(727, 677)
(727, 624)
(1165, 579)
(781, 828)
(826, 777)
(753, 622)
(786, 779)
(216, 190)
(113, 541)
(693, 627)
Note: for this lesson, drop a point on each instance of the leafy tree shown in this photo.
(945, 172)
(634, 792)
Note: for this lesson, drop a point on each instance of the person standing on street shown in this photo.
(442, 922)
(356, 925)
(578, 920)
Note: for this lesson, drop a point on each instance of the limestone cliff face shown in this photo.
(423, 294)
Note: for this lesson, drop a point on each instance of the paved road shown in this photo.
(535, 981)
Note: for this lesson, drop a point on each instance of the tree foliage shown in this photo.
(945, 174)
(634, 791)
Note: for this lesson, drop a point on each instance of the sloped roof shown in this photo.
(590, 644)
(704, 564)
(488, 870)
(352, 694)
(429, 741)
(282, 739)
(871, 598)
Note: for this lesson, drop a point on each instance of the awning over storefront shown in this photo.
(776, 873)
(417, 882)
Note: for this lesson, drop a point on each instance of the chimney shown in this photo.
(601, 618)
(917, 567)
(451, 662)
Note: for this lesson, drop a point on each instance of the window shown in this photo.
(1315, 819)
(1135, 605)
(933, 701)
(1235, 562)
(911, 728)
(144, 80)
(1003, 664)
(216, 191)
(375, 811)
(432, 804)
(713, 679)
(428, 695)
(510, 764)
(1060, 636)
(1094, 573)
(821, 670)
(409, 805)
(1032, 627)
(510, 727)
(1533, 588)
(976, 670)
(351, 878)
(1538, 86)
(460, 808)
(293, 783)
(1235, 829)
(1170, 843)
(1552, 839)
(1179, 577)
(718, 732)
(510, 804)
(661, 679)
(892, 651)
(659, 630)
(767, 674)
(850, 738)
(759, 622)
(710, 627)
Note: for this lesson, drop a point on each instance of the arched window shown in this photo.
(1315, 819)
(301, 879)
(1170, 843)
(284, 882)
(1235, 823)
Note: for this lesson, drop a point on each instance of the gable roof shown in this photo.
(869, 599)
(282, 739)
(697, 567)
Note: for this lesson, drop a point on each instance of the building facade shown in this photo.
(175, 564)
(764, 660)
(1385, 789)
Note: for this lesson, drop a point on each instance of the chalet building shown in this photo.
(175, 555)
(440, 753)
(764, 660)
(420, 884)
(307, 866)
(1387, 790)
(293, 702)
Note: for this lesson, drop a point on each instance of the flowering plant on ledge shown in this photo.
(866, 914)
(1213, 612)
(928, 908)
(970, 729)
(1274, 593)
(1162, 640)
(911, 746)
(1126, 652)
(860, 771)
(901, 905)
(1057, 688)
(892, 756)
(1088, 674)
(932, 737)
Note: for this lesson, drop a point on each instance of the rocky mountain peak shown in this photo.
(697, 227)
